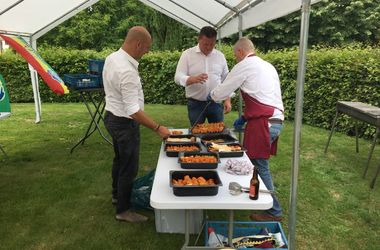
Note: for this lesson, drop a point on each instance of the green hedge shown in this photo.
(350, 73)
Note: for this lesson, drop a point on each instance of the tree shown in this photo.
(332, 23)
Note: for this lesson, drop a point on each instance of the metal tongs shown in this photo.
(236, 189)
(199, 117)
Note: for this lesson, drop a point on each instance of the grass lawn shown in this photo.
(51, 199)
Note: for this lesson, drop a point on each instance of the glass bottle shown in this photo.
(254, 185)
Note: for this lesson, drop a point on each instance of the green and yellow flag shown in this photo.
(5, 106)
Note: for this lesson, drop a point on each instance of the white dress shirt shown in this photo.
(257, 78)
(122, 84)
(194, 62)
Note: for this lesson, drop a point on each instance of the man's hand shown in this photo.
(239, 123)
(227, 105)
(163, 132)
(201, 78)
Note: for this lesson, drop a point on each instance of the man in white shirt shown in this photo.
(200, 69)
(264, 112)
(124, 113)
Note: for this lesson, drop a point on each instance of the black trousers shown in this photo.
(125, 135)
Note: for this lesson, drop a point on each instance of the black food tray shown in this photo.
(175, 153)
(210, 190)
(186, 136)
(223, 154)
(198, 165)
(224, 138)
(224, 131)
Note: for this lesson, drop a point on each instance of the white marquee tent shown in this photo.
(31, 19)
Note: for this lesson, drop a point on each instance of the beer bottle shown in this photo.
(254, 185)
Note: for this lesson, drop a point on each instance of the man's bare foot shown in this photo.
(131, 216)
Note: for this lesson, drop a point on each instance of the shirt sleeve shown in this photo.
(129, 86)
(181, 73)
(232, 82)
(225, 69)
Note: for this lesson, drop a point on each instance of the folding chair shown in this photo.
(5, 107)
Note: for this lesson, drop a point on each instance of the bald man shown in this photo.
(264, 112)
(124, 114)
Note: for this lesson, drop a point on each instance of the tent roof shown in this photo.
(34, 18)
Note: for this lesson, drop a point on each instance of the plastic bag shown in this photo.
(142, 187)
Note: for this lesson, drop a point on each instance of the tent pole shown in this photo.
(36, 91)
(240, 27)
(298, 120)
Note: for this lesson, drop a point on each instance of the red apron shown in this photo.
(256, 134)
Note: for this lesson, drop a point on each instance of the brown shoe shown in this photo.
(265, 217)
(131, 216)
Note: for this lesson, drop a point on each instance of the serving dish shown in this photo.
(198, 160)
(172, 149)
(233, 149)
(195, 190)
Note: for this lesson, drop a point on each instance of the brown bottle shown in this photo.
(254, 185)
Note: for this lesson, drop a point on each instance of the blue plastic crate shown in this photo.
(82, 81)
(95, 66)
(241, 228)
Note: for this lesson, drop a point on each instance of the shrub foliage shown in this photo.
(351, 73)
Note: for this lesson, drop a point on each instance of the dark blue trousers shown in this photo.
(213, 113)
(125, 135)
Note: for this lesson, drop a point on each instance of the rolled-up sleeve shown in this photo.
(181, 73)
(129, 86)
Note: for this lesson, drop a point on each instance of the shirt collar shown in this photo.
(198, 50)
(129, 58)
(250, 55)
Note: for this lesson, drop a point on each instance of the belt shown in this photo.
(195, 100)
(275, 121)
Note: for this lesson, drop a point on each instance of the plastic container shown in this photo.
(222, 154)
(217, 138)
(208, 190)
(175, 153)
(245, 229)
(95, 66)
(82, 81)
(184, 138)
(198, 165)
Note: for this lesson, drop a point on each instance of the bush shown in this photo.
(351, 73)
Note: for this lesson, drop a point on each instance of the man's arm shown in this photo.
(181, 74)
(233, 81)
(227, 105)
(142, 118)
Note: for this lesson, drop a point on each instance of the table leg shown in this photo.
(187, 230)
(375, 177)
(332, 130)
(230, 227)
(100, 116)
(371, 151)
(96, 116)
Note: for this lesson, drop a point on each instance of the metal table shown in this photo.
(95, 107)
(365, 113)
(162, 196)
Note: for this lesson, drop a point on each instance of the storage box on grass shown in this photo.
(173, 221)
(82, 81)
(246, 229)
(95, 66)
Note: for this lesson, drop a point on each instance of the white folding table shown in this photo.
(162, 196)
